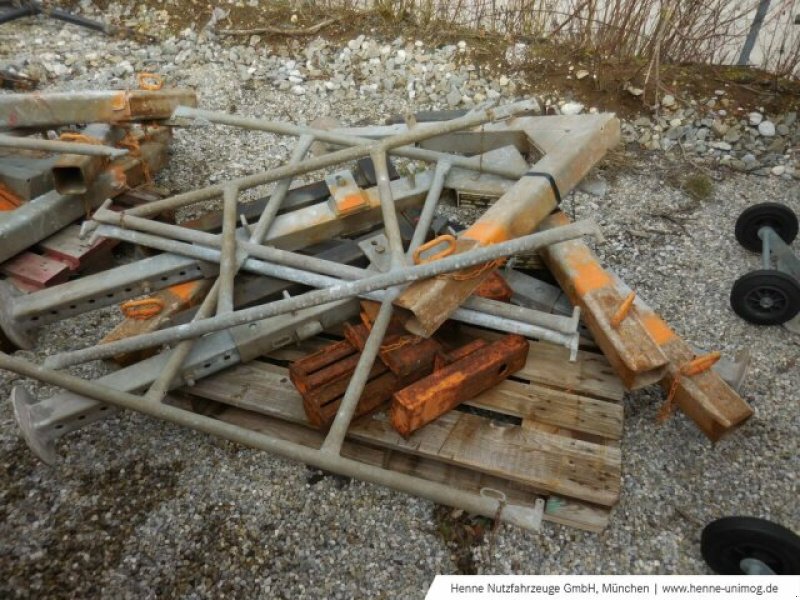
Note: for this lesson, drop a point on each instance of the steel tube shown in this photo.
(429, 207)
(338, 292)
(227, 262)
(278, 195)
(29, 143)
(327, 160)
(552, 328)
(435, 492)
(171, 232)
(355, 387)
(358, 381)
(341, 139)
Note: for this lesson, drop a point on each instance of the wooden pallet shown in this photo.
(550, 432)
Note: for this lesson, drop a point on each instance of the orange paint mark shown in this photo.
(8, 199)
(351, 203)
(186, 291)
(588, 277)
(657, 328)
(623, 310)
(120, 178)
(487, 232)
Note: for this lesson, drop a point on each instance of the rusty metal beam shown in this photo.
(43, 110)
(478, 370)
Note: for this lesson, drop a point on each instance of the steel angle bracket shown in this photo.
(572, 145)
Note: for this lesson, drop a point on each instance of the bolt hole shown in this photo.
(91, 300)
(109, 295)
(207, 365)
(81, 418)
(34, 318)
(128, 290)
(164, 278)
(182, 273)
(102, 408)
(226, 357)
(73, 306)
(59, 427)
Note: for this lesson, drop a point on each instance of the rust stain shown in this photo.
(8, 199)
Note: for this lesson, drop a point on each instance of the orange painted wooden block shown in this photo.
(465, 378)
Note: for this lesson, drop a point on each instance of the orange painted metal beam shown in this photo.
(572, 145)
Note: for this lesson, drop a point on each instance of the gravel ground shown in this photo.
(139, 508)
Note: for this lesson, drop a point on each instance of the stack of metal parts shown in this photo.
(226, 291)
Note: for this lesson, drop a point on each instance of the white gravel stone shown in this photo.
(766, 128)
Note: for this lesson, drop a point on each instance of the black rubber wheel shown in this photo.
(766, 297)
(725, 542)
(773, 214)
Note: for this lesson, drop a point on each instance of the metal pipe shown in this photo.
(765, 251)
(227, 263)
(58, 146)
(436, 492)
(475, 311)
(327, 160)
(169, 233)
(429, 207)
(341, 139)
(337, 292)
(355, 387)
(297, 261)
(278, 195)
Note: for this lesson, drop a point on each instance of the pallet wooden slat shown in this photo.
(559, 510)
(571, 467)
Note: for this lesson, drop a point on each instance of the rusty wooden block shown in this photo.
(35, 271)
(322, 378)
(422, 402)
(401, 352)
(494, 287)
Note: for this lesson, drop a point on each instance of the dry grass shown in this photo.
(652, 31)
